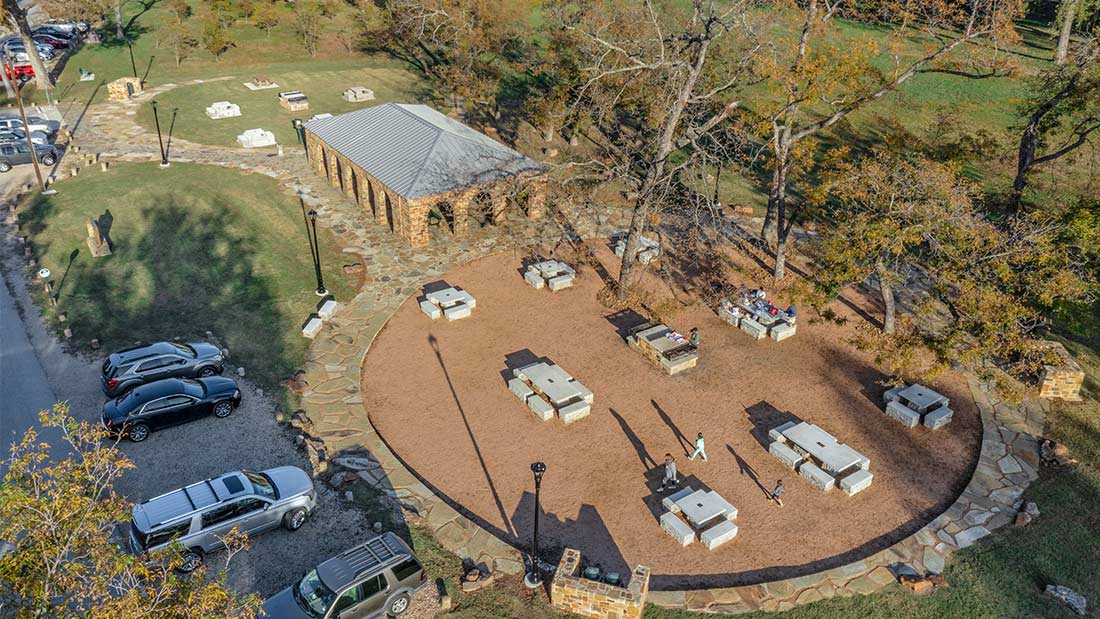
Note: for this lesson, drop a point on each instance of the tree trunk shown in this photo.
(118, 20)
(1029, 142)
(1069, 13)
(886, 290)
(17, 19)
(777, 192)
(780, 258)
(7, 82)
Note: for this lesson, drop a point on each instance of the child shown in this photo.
(700, 449)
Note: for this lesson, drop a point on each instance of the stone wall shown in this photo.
(1064, 380)
(590, 598)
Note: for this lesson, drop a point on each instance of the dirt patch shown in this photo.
(436, 393)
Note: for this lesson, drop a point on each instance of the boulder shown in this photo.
(937, 581)
(1029, 511)
(342, 478)
(1055, 454)
(917, 584)
(1075, 601)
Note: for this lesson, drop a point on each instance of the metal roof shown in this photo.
(416, 151)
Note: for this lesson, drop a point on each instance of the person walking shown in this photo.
(777, 494)
(700, 448)
(670, 473)
(694, 340)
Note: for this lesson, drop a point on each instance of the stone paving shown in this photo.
(392, 272)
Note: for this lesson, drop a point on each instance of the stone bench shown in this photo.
(729, 317)
(938, 418)
(560, 282)
(675, 527)
(860, 480)
(431, 309)
(540, 407)
(534, 279)
(731, 511)
(785, 454)
(891, 395)
(782, 331)
(903, 414)
(776, 433)
(819, 478)
(328, 309)
(572, 412)
(456, 312)
(467, 299)
(312, 328)
(685, 362)
(755, 330)
(718, 534)
(520, 388)
(669, 502)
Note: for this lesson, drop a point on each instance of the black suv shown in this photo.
(169, 402)
(18, 153)
(126, 369)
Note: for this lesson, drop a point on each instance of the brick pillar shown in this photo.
(348, 177)
(500, 202)
(536, 199)
(413, 220)
(378, 194)
(333, 169)
(461, 208)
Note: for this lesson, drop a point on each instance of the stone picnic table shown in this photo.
(450, 302)
(754, 317)
(701, 508)
(553, 274)
(818, 457)
(664, 347)
(917, 405)
(547, 388)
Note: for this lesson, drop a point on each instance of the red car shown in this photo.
(21, 72)
(52, 41)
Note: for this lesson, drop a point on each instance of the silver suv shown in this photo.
(376, 577)
(200, 515)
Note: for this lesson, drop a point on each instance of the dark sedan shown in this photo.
(169, 402)
(126, 369)
(50, 40)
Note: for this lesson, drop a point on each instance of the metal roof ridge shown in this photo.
(423, 166)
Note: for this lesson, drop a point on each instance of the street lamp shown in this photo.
(160, 140)
(316, 249)
(533, 578)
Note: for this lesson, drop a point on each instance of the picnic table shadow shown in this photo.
(625, 321)
(763, 417)
(518, 359)
(654, 497)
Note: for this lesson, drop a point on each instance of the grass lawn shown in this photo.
(322, 82)
(196, 249)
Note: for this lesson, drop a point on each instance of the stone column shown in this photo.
(461, 210)
(414, 222)
(366, 198)
(536, 199)
(500, 202)
(347, 176)
(316, 154)
(333, 171)
(378, 194)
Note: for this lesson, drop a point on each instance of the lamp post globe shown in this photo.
(533, 578)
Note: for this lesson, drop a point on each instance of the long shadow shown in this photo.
(746, 469)
(683, 441)
(434, 343)
(587, 533)
(87, 104)
(625, 322)
(105, 222)
(148, 68)
(65, 275)
(171, 129)
(643, 454)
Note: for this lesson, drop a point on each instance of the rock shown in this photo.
(937, 581)
(1032, 509)
(348, 496)
(470, 586)
(1023, 519)
(94, 344)
(240, 372)
(917, 584)
(445, 603)
(357, 464)
(297, 383)
(342, 478)
(1055, 454)
(1075, 601)
(376, 527)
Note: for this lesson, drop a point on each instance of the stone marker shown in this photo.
(96, 243)
(312, 328)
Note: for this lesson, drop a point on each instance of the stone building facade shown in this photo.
(480, 181)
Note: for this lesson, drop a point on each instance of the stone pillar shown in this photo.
(333, 168)
(589, 598)
(536, 199)
(378, 194)
(413, 222)
(500, 202)
(461, 210)
(347, 176)
(366, 199)
(316, 154)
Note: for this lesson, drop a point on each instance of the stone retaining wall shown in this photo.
(591, 598)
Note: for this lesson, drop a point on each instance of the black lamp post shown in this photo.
(316, 249)
(160, 140)
(533, 578)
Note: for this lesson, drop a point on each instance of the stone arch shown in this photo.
(446, 210)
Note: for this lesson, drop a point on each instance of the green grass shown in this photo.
(196, 248)
(322, 82)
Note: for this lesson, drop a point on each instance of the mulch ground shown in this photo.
(437, 394)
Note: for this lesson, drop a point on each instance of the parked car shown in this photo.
(18, 153)
(200, 515)
(18, 135)
(78, 26)
(21, 72)
(169, 402)
(377, 577)
(60, 33)
(13, 121)
(17, 52)
(50, 40)
(126, 369)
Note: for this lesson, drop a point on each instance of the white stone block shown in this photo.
(534, 279)
(540, 407)
(718, 534)
(669, 502)
(456, 312)
(755, 330)
(312, 328)
(891, 395)
(731, 511)
(675, 527)
(819, 478)
(328, 309)
(431, 309)
(575, 411)
(256, 138)
(776, 433)
(560, 282)
(903, 414)
(520, 388)
(864, 463)
(782, 331)
(938, 418)
(860, 480)
(586, 394)
(785, 454)
(729, 317)
(223, 109)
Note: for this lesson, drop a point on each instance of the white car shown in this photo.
(11, 121)
(18, 53)
(17, 135)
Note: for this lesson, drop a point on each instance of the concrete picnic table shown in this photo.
(552, 381)
(446, 297)
(835, 457)
(921, 399)
(701, 507)
(552, 268)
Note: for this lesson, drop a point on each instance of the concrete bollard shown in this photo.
(103, 166)
(74, 172)
(68, 333)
